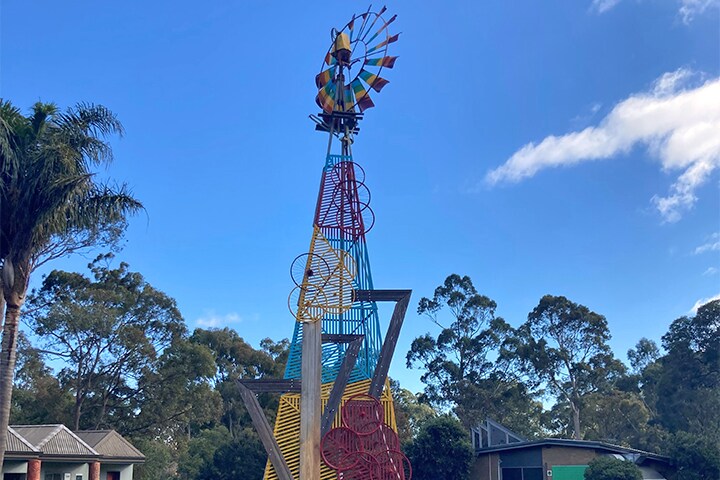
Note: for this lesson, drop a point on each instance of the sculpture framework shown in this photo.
(336, 417)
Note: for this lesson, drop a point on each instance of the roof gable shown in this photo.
(110, 444)
(54, 440)
(16, 443)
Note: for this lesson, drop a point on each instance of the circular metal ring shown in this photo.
(307, 303)
(363, 414)
(309, 268)
(337, 444)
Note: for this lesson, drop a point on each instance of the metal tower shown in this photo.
(336, 417)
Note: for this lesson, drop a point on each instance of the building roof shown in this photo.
(56, 440)
(110, 444)
(16, 443)
(590, 444)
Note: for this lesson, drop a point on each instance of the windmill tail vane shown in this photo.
(336, 418)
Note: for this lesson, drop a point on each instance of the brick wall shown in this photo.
(482, 471)
(566, 456)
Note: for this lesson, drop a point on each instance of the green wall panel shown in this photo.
(569, 472)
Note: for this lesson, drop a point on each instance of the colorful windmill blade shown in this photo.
(356, 67)
(386, 62)
(377, 83)
(324, 77)
(326, 97)
(362, 99)
(384, 43)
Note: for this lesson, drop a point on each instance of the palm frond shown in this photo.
(10, 120)
(41, 113)
(51, 204)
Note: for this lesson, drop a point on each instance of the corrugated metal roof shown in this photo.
(109, 443)
(92, 437)
(36, 434)
(16, 443)
(54, 440)
(572, 443)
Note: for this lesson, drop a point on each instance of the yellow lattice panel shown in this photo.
(287, 425)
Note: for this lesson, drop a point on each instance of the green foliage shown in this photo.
(458, 364)
(38, 397)
(108, 331)
(52, 205)
(563, 347)
(441, 449)
(609, 468)
(244, 457)
(410, 412)
(236, 359)
(160, 459)
(645, 353)
(695, 457)
(176, 397)
(615, 417)
(688, 385)
(201, 451)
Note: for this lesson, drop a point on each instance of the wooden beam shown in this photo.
(340, 337)
(265, 433)
(310, 402)
(272, 385)
(341, 380)
(402, 299)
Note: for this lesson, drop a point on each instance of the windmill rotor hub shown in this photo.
(344, 91)
(341, 49)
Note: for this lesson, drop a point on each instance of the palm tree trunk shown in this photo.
(7, 368)
(3, 434)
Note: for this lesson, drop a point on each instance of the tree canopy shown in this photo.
(108, 330)
(610, 468)
(441, 449)
(459, 365)
(52, 205)
(563, 347)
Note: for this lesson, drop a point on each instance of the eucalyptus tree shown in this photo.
(51, 205)
(108, 330)
(688, 387)
(563, 348)
(459, 363)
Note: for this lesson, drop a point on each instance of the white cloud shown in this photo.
(213, 320)
(688, 9)
(602, 6)
(678, 125)
(712, 245)
(711, 271)
(702, 302)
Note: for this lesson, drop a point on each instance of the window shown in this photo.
(512, 474)
(533, 474)
(53, 476)
(524, 473)
(78, 477)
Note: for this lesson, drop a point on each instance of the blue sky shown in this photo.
(569, 148)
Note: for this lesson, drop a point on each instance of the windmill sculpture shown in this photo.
(336, 417)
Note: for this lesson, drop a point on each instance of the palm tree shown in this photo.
(51, 205)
